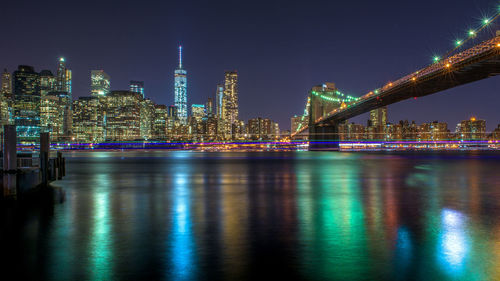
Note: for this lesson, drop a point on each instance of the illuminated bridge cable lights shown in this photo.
(439, 62)
(472, 33)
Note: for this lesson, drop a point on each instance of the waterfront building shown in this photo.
(180, 90)
(6, 99)
(137, 87)
(6, 89)
(160, 122)
(100, 83)
(230, 103)
(352, 131)
(260, 129)
(275, 131)
(211, 128)
(147, 118)
(89, 120)
(5, 111)
(433, 131)
(123, 116)
(378, 117)
(377, 124)
(198, 111)
(26, 103)
(409, 131)
(495, 135)
(472, 129)
(54, 115)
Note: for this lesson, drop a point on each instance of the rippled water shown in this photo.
(248, 216)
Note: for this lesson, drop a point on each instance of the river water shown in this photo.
(181, 215)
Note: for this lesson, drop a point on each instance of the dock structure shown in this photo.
(23, 172)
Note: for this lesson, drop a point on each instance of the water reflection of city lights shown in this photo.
(453, 241)
(182, 237)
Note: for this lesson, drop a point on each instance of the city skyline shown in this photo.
(275, 76)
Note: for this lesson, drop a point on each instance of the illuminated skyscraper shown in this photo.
(54, 115)
(6, 89)
(123, 116)
(63, 78)
(6, 100)
(147, 118)
(137, 87)
(219, 97)
(472, 129)
(198, 111)
(230, 100)
(378, 117)
(100, 83)
(209, 107)
(180, 90)
(27, 103)
(160, 120)
(47, 82)
(89, 120)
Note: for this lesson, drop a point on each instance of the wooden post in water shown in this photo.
(59, 165)
(9, 148)
(9, 160)
(44, 157)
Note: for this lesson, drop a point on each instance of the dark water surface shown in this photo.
(247, 216)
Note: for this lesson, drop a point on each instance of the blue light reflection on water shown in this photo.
(181, 236)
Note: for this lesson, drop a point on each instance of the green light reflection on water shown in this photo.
(101, 240)
(331, 220)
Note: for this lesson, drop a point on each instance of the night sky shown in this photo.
(279, 48)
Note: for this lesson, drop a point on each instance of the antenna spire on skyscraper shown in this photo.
(180, 56)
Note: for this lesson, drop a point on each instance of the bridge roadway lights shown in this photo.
(324, 137)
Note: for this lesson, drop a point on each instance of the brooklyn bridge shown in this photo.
(327, 107)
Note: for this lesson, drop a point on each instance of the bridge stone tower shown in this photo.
(324, 99)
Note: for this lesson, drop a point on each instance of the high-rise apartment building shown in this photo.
(123, 116)
(89, 120)
(47, 82)
(261, 128)
(54, 115)
(378, 117)
(137, 87)
(198, 111)
(160, 122)
(100, 83)
(6, 89)
(180, 90)
(6, 99)
(26, 103)
(433, 131)
(209, 107)
(472, 129)
(230, 99)
(376, 129)
(147, 118)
